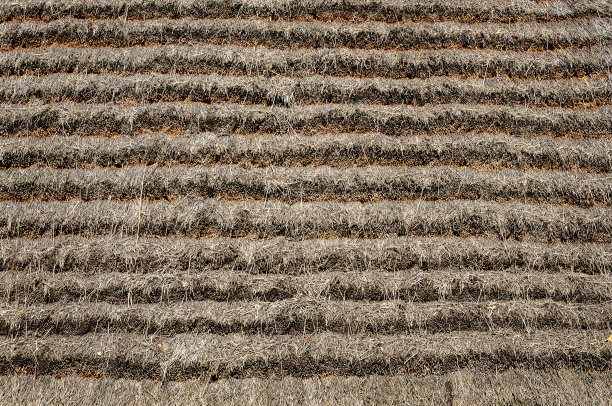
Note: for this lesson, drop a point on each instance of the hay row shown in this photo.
(465, 387)
(301, 316)
(209, 218)
(411, 36)
(237, 355)
(317, 10)
(480, 151)
(235, 60)
(293, 185)
(110, 120)
(288, 92)
(283, 256)
(175, 285)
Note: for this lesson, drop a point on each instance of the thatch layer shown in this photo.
(209, 218)
(411, 36)
(317, 10)
(287, 91)
(285, 256)
(235, 60)
(169, 286)
(462, 388)
(301, 316)
(481, 151)
(110, 120)
(412, 195)
(294, 185)
(237, 355)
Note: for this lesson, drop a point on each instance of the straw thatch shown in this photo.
(304, 184)
(287, 256)
(236, 60)
(111, 120)
(282, 91)
(484, 151)
(213, 218)
(119, 33)
(462, 387)
(302, 316)
(352, 10)
(168, 286)
(283, 202)
(215, 356)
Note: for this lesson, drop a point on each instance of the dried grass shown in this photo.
(226, 285)
(424, 299)
(237, 355)
(288, 92)
(372, 35)
(462, 388)
(234, 60)
(279, 255)
(207, 218)
(110, 120)
(294, 185)
(301, 316)
(480, 151)
(317, 10)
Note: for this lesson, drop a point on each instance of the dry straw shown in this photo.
(465, 388)
(479, 151)
(210, 218)
(286, 256)
(372, 35)
(328, 201)
(187, 356)
(303, 316)
(236, 60)
(110, 120)
(321, 10)
(225, 285)
(304, 184)
(288, 92)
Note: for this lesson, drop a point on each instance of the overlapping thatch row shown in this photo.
(481, 151)
(235, 60)
(280, 255)
(290, 189)
(283, 91)
(238, 355)
(109, 120)
(317, 10)
(301, 316)
(295, 185)
(463, 388)
(176, 285)
(211, 218)
(411, 36)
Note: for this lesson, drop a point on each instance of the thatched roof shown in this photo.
(287, 202)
